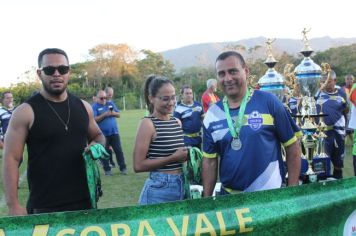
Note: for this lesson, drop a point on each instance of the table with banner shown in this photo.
(326, 208)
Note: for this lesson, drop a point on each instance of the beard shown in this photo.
(54, 91)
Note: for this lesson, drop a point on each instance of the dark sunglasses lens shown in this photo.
(63, 70)
(49, 70)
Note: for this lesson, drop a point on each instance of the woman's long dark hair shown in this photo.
(152, 85)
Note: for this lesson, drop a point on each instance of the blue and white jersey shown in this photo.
(191, 118)
(333, 105)
(256, 166)
(5, 115)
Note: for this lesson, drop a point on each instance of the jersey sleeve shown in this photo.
(297, 131)
(209, 146)
(284, 124)
(202, 109)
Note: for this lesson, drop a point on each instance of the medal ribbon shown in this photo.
(235, 131)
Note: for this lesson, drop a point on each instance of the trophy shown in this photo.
(308, 75)
(322, 126)
(293, 93)
(322, 160)
(252, 82)
(272, 81)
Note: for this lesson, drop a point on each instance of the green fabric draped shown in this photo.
(94, 153)
(192, 172)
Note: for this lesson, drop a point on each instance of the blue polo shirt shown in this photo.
(108, 125)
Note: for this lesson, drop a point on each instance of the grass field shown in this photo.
(123, 190)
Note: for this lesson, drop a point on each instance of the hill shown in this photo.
(205, 54)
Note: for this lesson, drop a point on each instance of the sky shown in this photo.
(29, 26)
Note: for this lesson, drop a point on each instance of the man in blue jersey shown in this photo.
(190, 114)
(105, 113)
(333, 102)
(246, 130)
(7, 101)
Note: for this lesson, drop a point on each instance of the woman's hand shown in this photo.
(181, 154)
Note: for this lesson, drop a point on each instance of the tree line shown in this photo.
(124, 69)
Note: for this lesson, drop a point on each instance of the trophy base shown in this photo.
(313, 178)
(321, 168)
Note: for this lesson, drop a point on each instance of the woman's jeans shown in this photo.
(161, 187)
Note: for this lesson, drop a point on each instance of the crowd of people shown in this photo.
(241, 136)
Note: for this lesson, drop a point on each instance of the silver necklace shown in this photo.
(60, 119)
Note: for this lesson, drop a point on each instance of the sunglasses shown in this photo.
(50, 70)
(102, 98)
(168, 98)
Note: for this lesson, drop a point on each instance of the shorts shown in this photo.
(161, 187)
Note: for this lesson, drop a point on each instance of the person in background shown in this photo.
(109, 95)
(94, 98)
(209, 97)
(246, 131)
(190, 113)
(105, 113)
(7, 101)
(352, 123)
(57, 128)
(349, 81)
(332, 101)
(159, 146)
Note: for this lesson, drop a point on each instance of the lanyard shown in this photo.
(235, 131)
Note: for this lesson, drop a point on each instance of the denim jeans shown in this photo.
(161, 187)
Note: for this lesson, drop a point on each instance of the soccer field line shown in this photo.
(22, 178)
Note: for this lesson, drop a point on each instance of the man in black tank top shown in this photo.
(57, 127)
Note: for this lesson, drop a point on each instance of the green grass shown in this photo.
(124, 190)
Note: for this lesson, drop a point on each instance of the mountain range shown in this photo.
(204, 54)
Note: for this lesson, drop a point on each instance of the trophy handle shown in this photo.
(252, 81)
(326, 69)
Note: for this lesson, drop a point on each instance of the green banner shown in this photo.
(315, 209)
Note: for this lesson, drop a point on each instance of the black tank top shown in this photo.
(56, 169)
